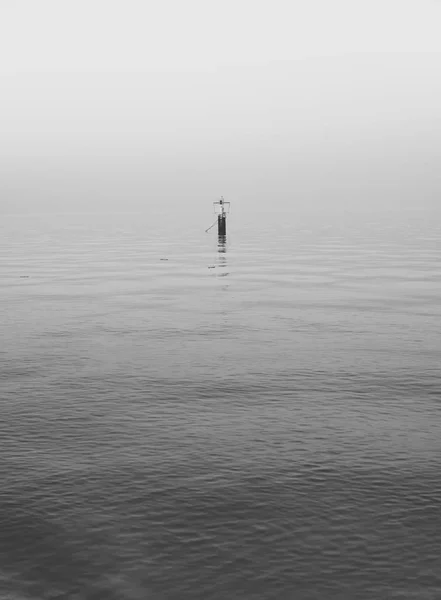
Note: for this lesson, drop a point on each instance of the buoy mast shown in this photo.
(221, 208)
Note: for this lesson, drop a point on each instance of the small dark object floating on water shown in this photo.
(163, 259)
(221, 209)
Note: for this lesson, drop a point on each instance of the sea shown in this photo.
(191, 417)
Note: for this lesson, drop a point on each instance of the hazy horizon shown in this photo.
(125, 106)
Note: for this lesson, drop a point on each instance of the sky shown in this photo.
(135, 104)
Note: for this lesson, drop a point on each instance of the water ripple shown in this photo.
(171, 433)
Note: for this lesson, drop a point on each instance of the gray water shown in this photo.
(254, 418)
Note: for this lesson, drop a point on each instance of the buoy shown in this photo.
(221, 208)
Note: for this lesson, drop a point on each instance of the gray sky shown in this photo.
(307, 103)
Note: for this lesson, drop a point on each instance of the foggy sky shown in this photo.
(127, 104)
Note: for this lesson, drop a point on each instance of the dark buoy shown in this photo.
(221, 225)
(221, 208)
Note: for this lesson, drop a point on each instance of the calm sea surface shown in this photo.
(183, 418)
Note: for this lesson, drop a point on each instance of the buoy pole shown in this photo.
(222, 219)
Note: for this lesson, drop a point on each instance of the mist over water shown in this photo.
(184, 417)
(187, 417)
